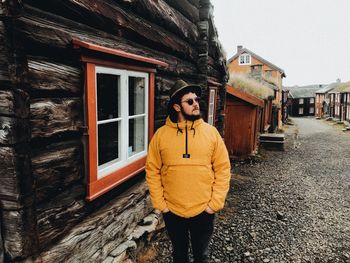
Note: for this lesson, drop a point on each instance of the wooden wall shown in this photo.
(241, 127)
(43, 207)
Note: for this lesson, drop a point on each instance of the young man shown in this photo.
(188, 174)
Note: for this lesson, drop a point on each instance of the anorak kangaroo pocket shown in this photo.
(188, 185)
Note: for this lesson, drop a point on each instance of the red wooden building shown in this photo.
(242, 123)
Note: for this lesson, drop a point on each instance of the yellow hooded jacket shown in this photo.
(187, 168)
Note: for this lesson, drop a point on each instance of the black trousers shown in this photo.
(198, 230)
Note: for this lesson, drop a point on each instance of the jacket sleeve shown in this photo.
(222, 174)
(153, 167)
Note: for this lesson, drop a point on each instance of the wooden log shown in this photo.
(17, 185)
(162, 14)
(56, 216)
(108, 15)
(50, 76)
(58, 163)
(4, 74)
(53, 116)
(186, 8)
(55, 32)
(14, 103)
(19, 233)
(195, 3)
(13, 130)
(10, 8)
(1, 246)
(112, 224)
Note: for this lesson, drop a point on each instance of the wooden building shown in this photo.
(302, 100)
(83, 86)
(242, 122)
(323, 100)
(248, 63)
(248, 113)
(340, 101)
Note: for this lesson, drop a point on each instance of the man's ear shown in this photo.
(177, 107)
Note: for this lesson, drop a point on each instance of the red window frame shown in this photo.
(97, 187)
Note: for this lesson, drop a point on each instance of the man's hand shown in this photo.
(166, 210)
(209, 210)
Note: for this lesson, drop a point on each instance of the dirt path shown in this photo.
(291, 206)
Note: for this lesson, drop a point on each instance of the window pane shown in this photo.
(108, 142)
(136, 136)
(136, 95)
(108, 94)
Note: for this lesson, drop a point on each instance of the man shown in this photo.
(188, 174)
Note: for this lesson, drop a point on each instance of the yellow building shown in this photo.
(248, 63)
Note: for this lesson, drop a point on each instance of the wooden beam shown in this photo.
(117, 52)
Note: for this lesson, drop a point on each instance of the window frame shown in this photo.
(117, 59)
(301, 101)
(124, 120)
(212, 90)
(245, 56)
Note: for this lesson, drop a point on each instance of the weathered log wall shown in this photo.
(41, 115)
(17, 199)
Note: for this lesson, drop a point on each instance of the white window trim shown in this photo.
(124, 160)
(245, 55)
(212, 98)
(301, 101)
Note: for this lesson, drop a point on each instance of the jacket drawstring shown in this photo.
(186, 154)
(178, 129)
(194, 130)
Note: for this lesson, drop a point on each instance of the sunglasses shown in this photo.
(191, 101)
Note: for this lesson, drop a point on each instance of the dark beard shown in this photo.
(190, 117)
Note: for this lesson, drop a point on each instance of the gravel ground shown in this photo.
(291, 206)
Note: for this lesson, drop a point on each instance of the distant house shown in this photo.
(302, 100)
(323, 100)
(340, 102)
(248, 63)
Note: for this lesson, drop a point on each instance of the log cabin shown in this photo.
(83, 86)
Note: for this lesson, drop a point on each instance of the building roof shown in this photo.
(304, 91)
(327, 88)
(251, 86)
(343, 87)
(245, 50)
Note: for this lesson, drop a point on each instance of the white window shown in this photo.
(301, 101)
(244, 59)
(122, 118)
(211, 108)
(301, 110)
(312, 100)
(311, 110)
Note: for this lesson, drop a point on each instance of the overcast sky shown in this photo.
(308, 39)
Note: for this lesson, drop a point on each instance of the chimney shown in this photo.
(256, 71)
(239, 48)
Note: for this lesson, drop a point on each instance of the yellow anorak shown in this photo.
(186, 181)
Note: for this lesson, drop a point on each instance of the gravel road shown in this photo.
(291, 206)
